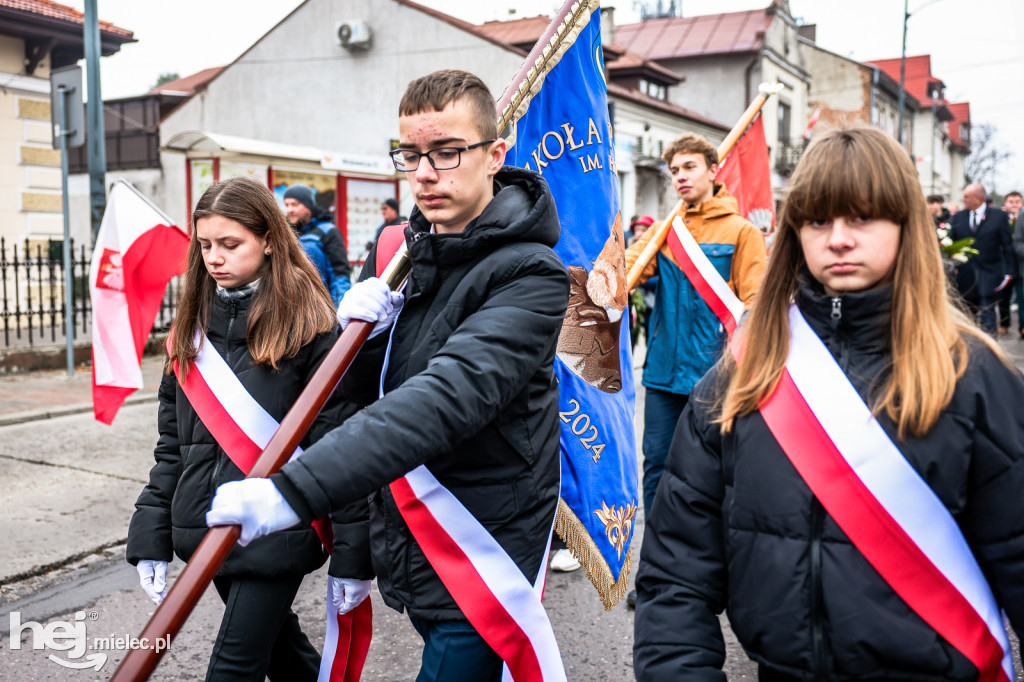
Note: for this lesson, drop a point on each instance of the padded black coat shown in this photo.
(470, 393)
(170, 514)
(734, 527)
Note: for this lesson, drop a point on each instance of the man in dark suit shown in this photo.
(990, 229)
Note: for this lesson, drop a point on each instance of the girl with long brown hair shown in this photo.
(254, 306)
(763, 511)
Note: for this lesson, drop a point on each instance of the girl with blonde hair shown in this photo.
(831, 487)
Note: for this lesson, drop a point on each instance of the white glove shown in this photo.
(347, 593)
(153, 576)
(371, 301)
(255, 504)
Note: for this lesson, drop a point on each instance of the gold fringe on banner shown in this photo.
(579, 542)
(564, 38)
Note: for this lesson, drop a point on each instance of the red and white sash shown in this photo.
(882, 504)
(704, 276)
(493, 594)
(482, 578)
(238, 423)
(243, 429)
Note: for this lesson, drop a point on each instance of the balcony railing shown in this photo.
(787, 155)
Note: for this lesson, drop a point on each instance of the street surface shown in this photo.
(72, 484)
(70, 487)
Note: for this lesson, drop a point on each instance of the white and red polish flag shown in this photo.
(746, 173)
(811, 121)
(138, 250)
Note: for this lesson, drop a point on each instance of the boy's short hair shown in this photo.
(1013, 193)
(691, 144)
(935, 199)
(435, 91)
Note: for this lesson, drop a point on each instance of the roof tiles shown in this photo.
(692, 36)
(47, 8)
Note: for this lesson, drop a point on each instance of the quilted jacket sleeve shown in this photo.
(681, 580)
(149, 532)
(993, 520)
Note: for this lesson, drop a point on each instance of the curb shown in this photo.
(25, 359)
(51, 413)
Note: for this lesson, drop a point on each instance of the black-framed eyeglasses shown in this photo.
(442, 158)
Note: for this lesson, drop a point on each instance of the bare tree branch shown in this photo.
(987, 155)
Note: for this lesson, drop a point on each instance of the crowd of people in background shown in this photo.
(988, 276)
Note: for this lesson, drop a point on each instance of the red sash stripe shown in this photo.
(232, 439)
(706, 292)
(355, 630)
(498, 628)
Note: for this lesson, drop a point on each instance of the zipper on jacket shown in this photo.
(843, 358)
(231, 325)
(820, 655)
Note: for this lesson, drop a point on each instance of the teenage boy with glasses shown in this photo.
(468, 385)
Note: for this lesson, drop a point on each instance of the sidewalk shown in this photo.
(51, 393)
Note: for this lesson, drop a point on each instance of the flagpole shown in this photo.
(532, 69)
(658, 239)
(186, 591)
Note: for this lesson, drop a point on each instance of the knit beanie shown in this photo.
(304, 195)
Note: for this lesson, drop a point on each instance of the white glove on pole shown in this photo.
(255, 504)
(153, 577)
(348, 593)
(371, 300)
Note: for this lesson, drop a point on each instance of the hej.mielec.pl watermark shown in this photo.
(70, 637)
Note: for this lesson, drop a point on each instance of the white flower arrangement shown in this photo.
(960, 250)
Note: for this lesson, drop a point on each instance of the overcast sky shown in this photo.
(977, 46)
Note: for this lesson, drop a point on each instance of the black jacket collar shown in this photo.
(522, 210)
(864, 320)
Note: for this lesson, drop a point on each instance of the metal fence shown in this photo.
(32, 307)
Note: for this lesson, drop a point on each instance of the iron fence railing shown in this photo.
(33, 296)
(787, 155)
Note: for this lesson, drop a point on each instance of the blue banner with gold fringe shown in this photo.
(562, 130)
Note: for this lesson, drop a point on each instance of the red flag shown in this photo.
(745, 172)
(138, 250)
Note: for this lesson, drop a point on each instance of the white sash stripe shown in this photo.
(538, 584)
(886, 473)
(708, 271)
(248, 414)
(330, 638)
(501, 575)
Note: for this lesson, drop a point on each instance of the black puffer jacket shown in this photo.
(171, 511)
(469, 392)
(734, 527)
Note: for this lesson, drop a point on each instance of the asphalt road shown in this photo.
(70, 488)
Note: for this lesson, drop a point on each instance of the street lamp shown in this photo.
(903, 62)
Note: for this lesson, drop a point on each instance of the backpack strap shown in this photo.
(390, 240)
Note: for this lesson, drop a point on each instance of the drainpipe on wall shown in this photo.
(746, 80)
(874, 84)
